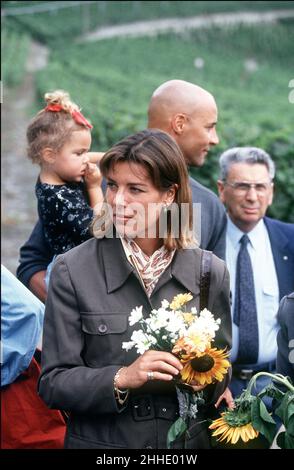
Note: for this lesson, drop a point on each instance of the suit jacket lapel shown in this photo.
(279, 243)
(117, 269)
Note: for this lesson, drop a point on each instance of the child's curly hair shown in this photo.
(50, 128)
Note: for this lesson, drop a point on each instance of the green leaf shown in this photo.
(289, 441)
(262, 420)
(286, 409)
(272, 391)
(290, 426)
(264, 414)
(175, 431)
(290, 408)
(285, 441)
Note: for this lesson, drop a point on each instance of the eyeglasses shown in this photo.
(240, 187)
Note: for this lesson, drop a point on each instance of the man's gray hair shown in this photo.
(249, 155)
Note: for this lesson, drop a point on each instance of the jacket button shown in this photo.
(102, 328)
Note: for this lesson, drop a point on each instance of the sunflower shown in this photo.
(204, 368)
(232, 426)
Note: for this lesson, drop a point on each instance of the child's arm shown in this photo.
(93, 180)
(95, 157)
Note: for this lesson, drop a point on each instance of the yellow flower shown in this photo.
(232, 432)
(206, 368)
(180, 300)
(191, 345)
(188, 317)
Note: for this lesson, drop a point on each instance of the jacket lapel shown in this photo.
(117, 269)
(185, 268)
(279, 244)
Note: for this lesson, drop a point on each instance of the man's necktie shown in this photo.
(245, 313)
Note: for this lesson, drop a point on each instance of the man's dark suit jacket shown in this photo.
(281, 237)
(35, 254)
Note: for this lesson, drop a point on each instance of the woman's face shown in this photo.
(135, 202)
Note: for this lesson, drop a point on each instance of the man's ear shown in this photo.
(178, 123)
(270, 199)
(221, 187)
(48, 155)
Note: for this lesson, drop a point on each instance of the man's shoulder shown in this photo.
(275, 224)
(286, 312)
(280, 233)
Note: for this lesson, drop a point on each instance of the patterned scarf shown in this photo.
(151, 267)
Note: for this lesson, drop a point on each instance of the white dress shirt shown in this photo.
(265, 284)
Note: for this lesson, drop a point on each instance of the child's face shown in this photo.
(71, 162)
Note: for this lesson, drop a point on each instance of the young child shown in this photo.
(68, 186)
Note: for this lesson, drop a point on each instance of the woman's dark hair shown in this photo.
(162, 158)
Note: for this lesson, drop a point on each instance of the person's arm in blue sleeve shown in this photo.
(21, 326)
(35, 255)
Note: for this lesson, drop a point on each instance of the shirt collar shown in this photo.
(255, 235)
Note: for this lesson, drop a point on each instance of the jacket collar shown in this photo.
(185, 267)
(117, 268)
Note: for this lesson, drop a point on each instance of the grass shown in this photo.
(69, 22)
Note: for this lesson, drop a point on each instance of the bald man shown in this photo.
(189, 114)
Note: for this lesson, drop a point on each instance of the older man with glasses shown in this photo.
(260, 259)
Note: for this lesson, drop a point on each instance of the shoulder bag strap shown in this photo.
(206, 257)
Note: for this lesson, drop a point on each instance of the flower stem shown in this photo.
(275, 377)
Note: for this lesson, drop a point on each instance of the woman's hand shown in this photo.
(152, 365)
(228, 397)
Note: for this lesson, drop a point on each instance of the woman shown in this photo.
(115, 398)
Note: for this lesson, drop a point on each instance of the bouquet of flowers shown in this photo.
(251, 417)
(189, 337)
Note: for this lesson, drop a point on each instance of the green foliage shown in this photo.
(284, 409)
(177, 429)
(69, 22)
(14, 52)
(285, 441)
(251, 410)
(286, 412)
(262, 420)
(113, 81)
